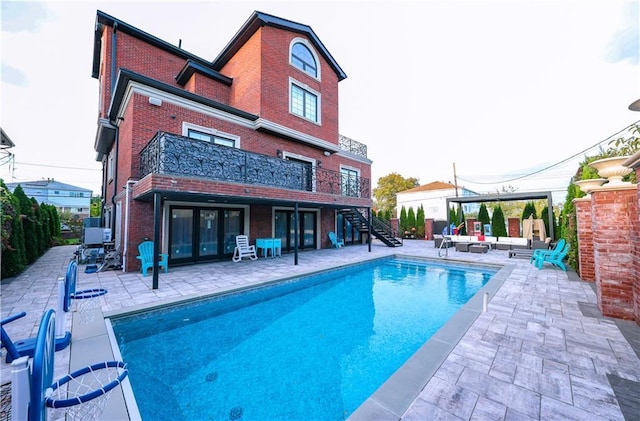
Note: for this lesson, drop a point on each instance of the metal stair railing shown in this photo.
(380, 228)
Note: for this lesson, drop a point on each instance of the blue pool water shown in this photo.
(310, 349)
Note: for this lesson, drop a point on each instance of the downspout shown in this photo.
(126, 226)
(114, 41)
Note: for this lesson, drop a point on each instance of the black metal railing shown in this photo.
(352, 146)
(171, 154)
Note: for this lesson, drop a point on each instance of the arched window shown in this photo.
(303, 59)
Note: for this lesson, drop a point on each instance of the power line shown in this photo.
(57, 166)
(557, 163)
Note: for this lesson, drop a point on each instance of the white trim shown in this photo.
(307, 44)
(186, 126)
(303, 137)
(139, 88)
(307, 88)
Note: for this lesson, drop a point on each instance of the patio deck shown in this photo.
(542, 350)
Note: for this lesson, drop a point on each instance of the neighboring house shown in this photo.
(6, 157)
(65, 197)
(195, 151)
(433, 198)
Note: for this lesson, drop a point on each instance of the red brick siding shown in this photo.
(428, 228)
(261, 222)
(612, 214)
(327, 223)
(585, 240)
(635, 253)
(201, 185)
(513, 227)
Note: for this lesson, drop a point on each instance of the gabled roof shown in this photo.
(211, 69)
(436, 185)
(49, 184)
(5, 140)
(259, 19)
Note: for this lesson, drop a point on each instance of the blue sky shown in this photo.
(497, 89)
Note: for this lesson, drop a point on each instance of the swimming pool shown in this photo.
(311, 348)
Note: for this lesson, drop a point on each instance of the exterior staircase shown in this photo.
(380, 228)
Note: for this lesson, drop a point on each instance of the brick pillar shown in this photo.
(428, 229)
(614, 218)
(635, 253)
(470, 230)
(585, 239)
(513, 227)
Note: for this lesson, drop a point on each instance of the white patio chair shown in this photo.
(243, 249)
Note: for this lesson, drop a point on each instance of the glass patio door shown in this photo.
(201, 234)
(208, 234)
(285, 229)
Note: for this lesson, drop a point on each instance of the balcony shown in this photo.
(170, 154)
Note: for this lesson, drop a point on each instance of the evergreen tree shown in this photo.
(483, 216)
(453, 218)
(37, 222)
(28, 224)
(462, 224)
(498, 226)
(529, 209)
(14, 258)
(420, 222)
(403, 219)
(411, 220)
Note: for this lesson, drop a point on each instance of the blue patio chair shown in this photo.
(555, 258)
(539, 252)
(146, 258)
(334, 240)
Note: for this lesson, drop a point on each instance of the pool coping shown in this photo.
(392, 399)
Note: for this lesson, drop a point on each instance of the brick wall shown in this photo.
(585, 239)
(635, 253)
(428, 229)
(513, 227)
(614, 220)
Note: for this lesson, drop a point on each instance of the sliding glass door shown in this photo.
(285, 229)
(201, 234)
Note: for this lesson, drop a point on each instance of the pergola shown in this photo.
(509, 197)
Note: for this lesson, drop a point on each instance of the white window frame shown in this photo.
(308, 89)
(307, 44)
(208, 130)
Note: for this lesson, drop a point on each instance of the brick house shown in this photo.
(195, 152)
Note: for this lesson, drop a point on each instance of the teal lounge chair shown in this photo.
(334, 240)
(146, 258)
(539, 252)
(555, 258)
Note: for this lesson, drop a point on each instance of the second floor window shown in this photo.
(208, 137)
(304, 103)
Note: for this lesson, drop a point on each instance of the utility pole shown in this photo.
(455, 178)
